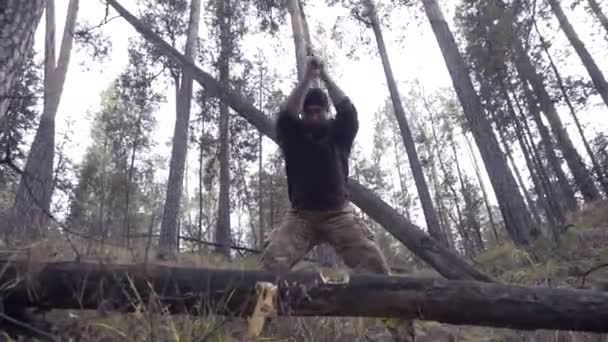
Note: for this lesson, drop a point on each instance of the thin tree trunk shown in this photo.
(581, 174)
(567, 192)
(441, 210)
(482, 185)
(260, 172)
(129, 185)
(471, 217)
(517, 220)
(597, 10)
(447, 263)
(426, 201)
(596, 167)
(33, 199)
(594, 71)
(168, 230)
(459, 222)
(200, 183)
(403, 188)
(248, 203)
(223, 231)
(555, 211)
(18, 23)
(522, 184)
(519, 133)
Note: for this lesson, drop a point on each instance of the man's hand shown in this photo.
(314, 67)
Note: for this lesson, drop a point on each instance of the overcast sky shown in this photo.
(411, 44)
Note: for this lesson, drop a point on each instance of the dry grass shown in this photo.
(583, 245)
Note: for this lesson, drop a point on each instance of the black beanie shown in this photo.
(316, 97)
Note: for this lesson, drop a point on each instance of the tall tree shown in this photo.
(18, 24)
(594, 71)
(33, 200)
(517, 220)
(225, 17)
(428, 208)
(168, 233)
(597, 10)
(560, 82)
(527, 71)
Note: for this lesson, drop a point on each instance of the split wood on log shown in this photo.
(67, 285)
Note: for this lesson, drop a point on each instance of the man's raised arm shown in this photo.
(291, 107)
(347, 122)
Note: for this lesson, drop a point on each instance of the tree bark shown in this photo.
(168, 228)
(32, 204)
(594, 71)
(233, 292)
(597, 10)
(581, 175)
(517, 220)
(596, 166)
(550, 207)
(567, 193)
(426, 201)
(521, 124)
(447, 263)
(223, 229)
(18, 23)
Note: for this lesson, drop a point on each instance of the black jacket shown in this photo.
(316, 157)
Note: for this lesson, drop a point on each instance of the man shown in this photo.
(316, 150)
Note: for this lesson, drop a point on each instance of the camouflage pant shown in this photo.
(301, 230)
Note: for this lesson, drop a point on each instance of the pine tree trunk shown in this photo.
(471, 216)
(518, 222)
(486, 94)
(594, 71)
(549, 208)
(201, 167)
(129, 185)
(403, 188)
(168, 228)
(223, 233)
(567, 193)
(596, 166)
(482, 185)
(535, 155)
(426, 201)
(260, 174)
(31, 209)
(597, 10)
(581, 175)
(18, 23)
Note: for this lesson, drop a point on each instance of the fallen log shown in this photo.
(125, 288)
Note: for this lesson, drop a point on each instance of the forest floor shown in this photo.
(580, 260)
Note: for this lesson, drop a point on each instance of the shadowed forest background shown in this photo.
(482, 152)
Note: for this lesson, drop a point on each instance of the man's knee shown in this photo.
(275, 261)
(286, 245)
(371, 260)
(362, 253)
